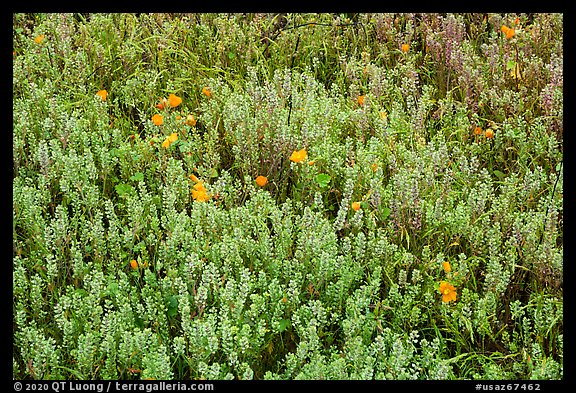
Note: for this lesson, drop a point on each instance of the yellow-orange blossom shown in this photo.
(448, 291)
(298, 156)
(261, 181)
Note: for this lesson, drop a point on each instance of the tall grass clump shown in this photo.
(287, 196)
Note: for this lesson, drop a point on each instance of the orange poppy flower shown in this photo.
(103, 94)
(199, 192)
(489, 133)
(134, 264)
(405, 48)
(203, 197)
(448, 291)
(508, 32)
(190, 120)
(477, 131)
(174, 100)
(356, 206)
(157, 119)
(200, 196)
(361, 100)
(206, 91)
(447, 267)
(169, 140)
(173, 137)
(261, 181)
(199, 187)
(298, 156)
(40, 38)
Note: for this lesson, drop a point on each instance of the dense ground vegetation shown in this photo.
(287, 196)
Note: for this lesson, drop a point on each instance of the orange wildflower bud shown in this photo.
(361, 100)
(162, 104)
(405, 48)
(489, 133)
(356, 206)
(447, 267)
(206, 91)
(40, 38)
(477, 131)
(134, 264)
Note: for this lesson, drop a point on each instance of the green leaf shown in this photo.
(124, 189)
(283, 325)
(558, 166)
(81, 292)
(385, 213)
(172, 306)
(141, 246)
(112, 289)
(139, 322)
(139, 176)
(323, 180)
(499, 174)
(510, 65)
